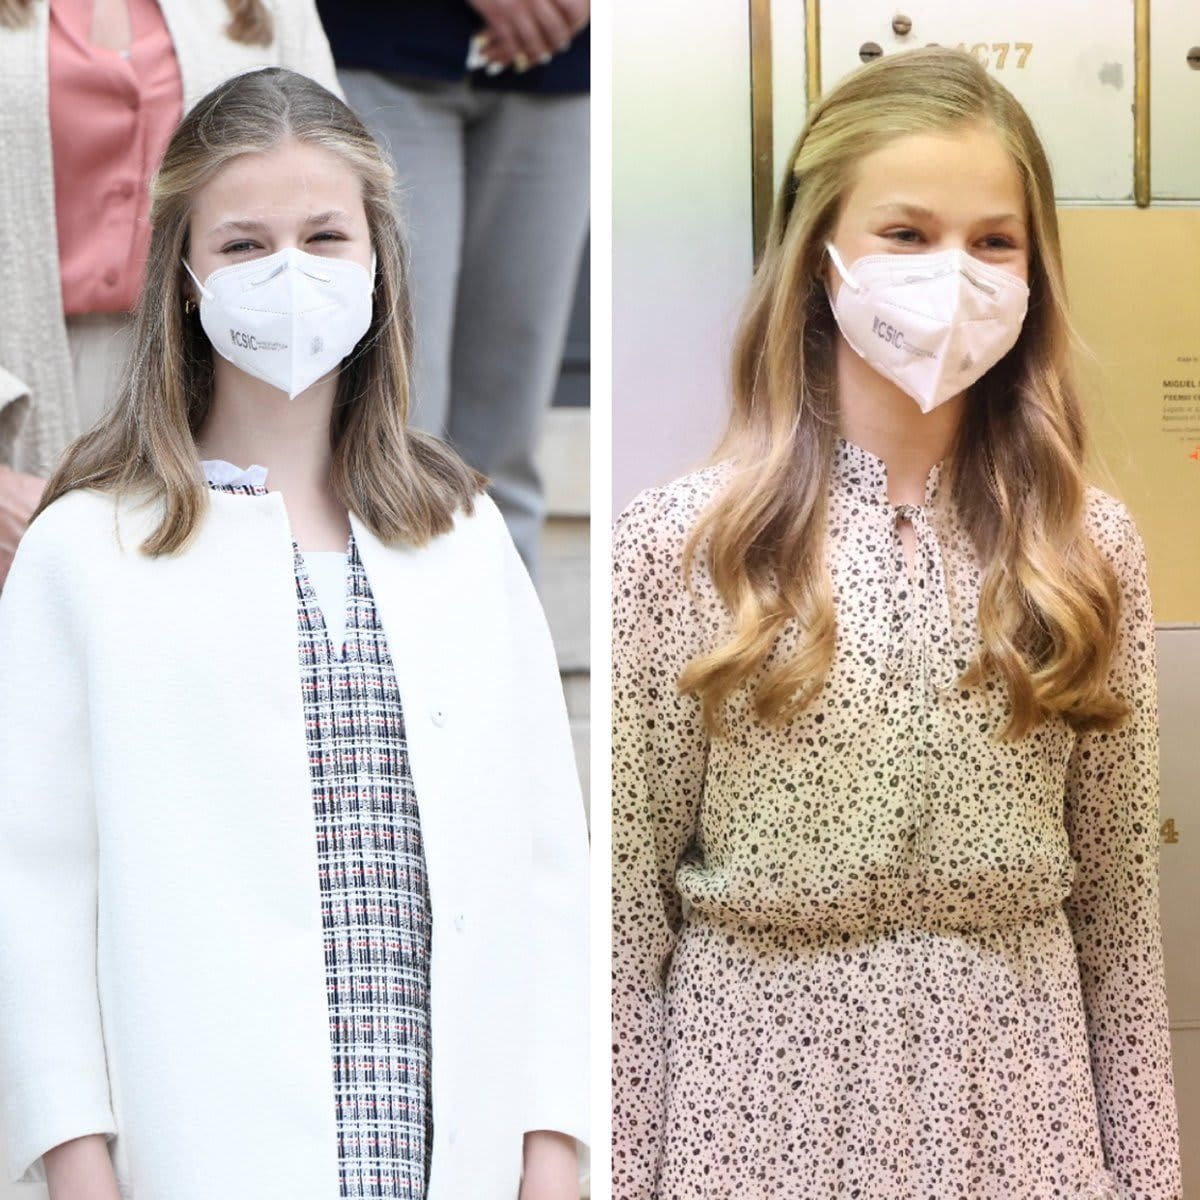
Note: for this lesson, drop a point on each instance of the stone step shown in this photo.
(563, 461)
(563, 588)
(577, 689)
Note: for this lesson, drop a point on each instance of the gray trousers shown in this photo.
(493, 195)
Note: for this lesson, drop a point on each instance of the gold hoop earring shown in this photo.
(189, 306)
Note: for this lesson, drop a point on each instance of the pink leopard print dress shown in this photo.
(875, 953)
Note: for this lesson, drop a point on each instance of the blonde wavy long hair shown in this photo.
(249, 20)
(403, 484)
(1049, 604)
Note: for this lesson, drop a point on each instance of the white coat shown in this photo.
(161, 965)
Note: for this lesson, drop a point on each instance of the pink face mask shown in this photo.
(931, 323)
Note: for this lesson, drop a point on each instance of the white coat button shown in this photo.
(460, 921)
(437, 715)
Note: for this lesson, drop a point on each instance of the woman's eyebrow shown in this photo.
(239, 226)
(909, 210)
(998, 217)
(918, 212)
(249, 226)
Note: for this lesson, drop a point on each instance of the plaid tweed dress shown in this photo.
(375, 905)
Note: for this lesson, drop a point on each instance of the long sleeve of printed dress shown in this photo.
(1112, 818)
(658, 756)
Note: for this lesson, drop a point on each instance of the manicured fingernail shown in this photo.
(476, 57)
(494, 68)
(544, 59)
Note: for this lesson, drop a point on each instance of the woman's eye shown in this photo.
(237, 247)
(328, 235)
(904, 236)
(998, 242)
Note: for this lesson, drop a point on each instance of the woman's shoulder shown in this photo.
(86, 530)
(58, 553)
(1111, 528)
(481, 522)
(477, 545)
(70, 525)
(663, 516)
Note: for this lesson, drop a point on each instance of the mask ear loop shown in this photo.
(840, 267)
(204, 292)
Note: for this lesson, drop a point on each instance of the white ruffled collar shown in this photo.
(217, 470)
(220, 472)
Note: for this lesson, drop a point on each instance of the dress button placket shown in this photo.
(906, 655)
(928, 652)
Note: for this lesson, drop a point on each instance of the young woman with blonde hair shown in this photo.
(885, 753)
(292, 849)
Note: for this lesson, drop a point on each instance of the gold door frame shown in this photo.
(762, 125)
(1141, 103)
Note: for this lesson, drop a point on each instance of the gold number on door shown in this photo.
(983, 53)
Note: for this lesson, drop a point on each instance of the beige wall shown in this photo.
(681, 219)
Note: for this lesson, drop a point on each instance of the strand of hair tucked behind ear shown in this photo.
(1050, 602)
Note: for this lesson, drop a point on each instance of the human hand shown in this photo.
(523, 32)
(19, 496)
(551, 1167)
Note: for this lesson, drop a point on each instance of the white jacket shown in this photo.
(161, 964)
(38, 410)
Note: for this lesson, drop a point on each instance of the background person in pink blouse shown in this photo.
(91, 90)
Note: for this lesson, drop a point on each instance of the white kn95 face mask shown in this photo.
(931, 323)
(287, 318)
